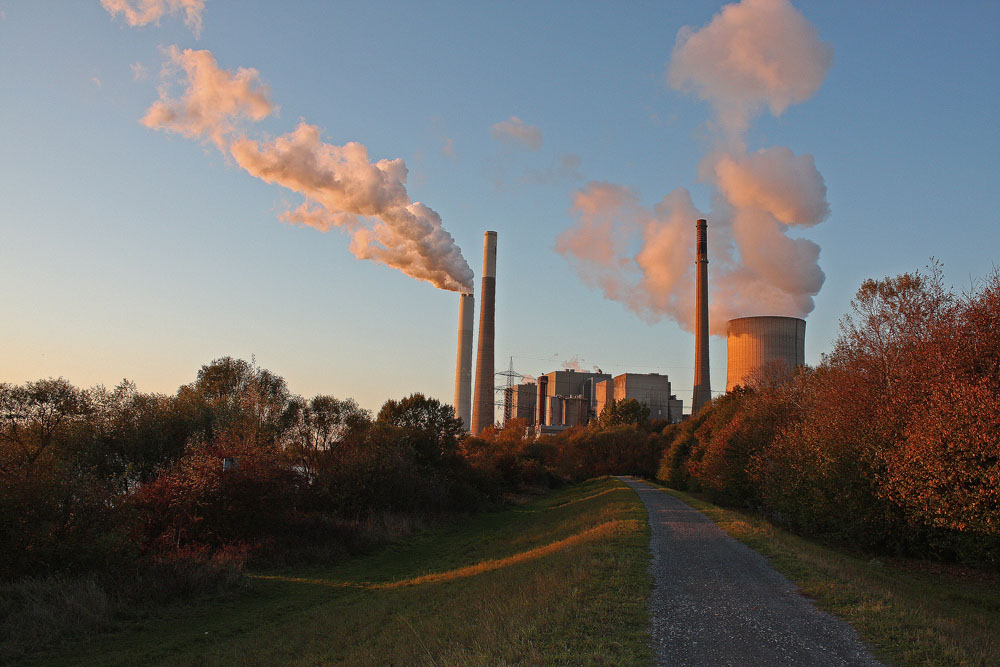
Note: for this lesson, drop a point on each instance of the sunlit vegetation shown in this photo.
(892, 444)
(911, 612)
(561, 579)
(263, 509)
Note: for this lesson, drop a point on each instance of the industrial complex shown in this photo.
(757, 346)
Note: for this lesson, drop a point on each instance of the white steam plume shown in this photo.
(144, 12)
(752, 55)
(341, 186)
(214, 102)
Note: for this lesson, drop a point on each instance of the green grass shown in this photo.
(910, 612)
(560, 580)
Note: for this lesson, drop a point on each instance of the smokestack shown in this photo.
(702, 383)
(463, 365)
(482, 407)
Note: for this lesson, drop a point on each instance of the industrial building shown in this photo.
(652, 389)
(763, 343)
(566, 398)
(519, 403)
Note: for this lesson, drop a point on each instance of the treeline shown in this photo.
(235, 467)
(94, 480)
(892, 444)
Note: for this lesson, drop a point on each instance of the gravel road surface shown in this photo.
(717, 602)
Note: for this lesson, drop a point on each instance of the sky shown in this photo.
(143, 245)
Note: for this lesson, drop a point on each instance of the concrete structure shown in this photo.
(568, 383)
(519, 403)
(765, 343)
(576, 411)
(676, 408)
(541, 413)
(604, 391)
(652, 389)
(463, 364)
(482, 406)
(702, 381)
(555, 411)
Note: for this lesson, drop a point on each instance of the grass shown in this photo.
(562, 579)
(910, 612)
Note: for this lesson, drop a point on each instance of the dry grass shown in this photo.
(563, 583)
(911, 612)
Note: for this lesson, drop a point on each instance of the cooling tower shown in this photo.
(702, 383)
(482, 405)
(768, 343)
(463, 365)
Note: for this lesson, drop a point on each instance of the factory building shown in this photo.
(565, 398)
(519, 403)
(652, 389)
(764, 343)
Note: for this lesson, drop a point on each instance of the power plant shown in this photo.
(562, 399)
(763, 344)
(482, 406)
(463, 365)
(702, 383)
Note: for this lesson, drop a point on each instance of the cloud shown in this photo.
(516, 131)
(139, 72)
(752, 54)
(214, 102)
(143, 12)
(448, 147)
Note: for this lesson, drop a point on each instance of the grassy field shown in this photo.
(911, 612)
(559, 580)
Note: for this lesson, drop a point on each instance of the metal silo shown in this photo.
(754, 343)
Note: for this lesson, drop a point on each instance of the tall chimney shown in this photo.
(702, 383)
(482, 406)
(463, 365)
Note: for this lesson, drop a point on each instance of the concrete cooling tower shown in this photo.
(758, 342)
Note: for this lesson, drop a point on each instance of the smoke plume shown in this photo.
(753, 55)
(214, 102)
(144, 12)
(341, 186)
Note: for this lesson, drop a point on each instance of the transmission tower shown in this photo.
(511, 376)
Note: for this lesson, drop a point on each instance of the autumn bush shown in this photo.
(891, 444)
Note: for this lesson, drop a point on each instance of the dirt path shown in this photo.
(717, 602)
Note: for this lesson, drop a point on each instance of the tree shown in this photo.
(322, 424)
(625, 411)
(241, 398)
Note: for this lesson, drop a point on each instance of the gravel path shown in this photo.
(717, 602)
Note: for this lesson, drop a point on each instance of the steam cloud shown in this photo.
(341, 186)
(144, 12)
(753, 55)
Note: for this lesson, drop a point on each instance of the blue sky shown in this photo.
(128, 252)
